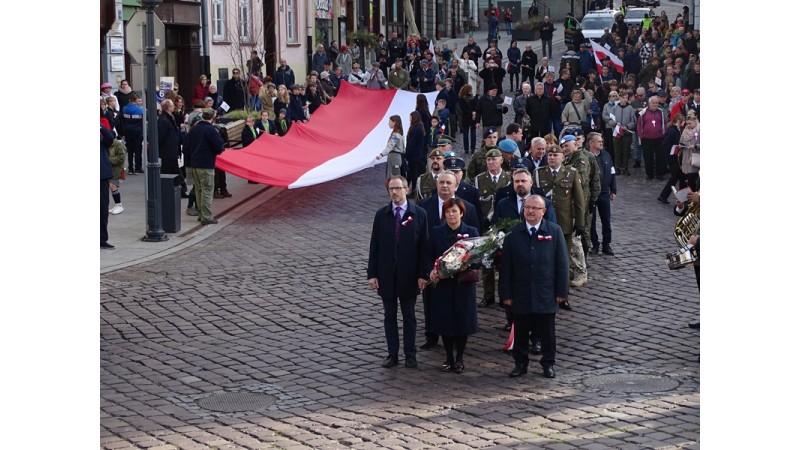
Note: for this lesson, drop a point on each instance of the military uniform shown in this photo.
(589, 170)
(477, 164)
(486, 189)
(566, 192)
(425, 184)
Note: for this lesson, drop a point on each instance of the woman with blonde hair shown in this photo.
(282, 101)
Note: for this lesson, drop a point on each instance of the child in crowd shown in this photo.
(282, 125)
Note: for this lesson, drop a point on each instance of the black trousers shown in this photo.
(603, 208)
(220, 183)
(133, 143)
(104, 190)
(545, 325)
(655, 162)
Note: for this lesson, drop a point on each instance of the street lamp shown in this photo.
(155, 230)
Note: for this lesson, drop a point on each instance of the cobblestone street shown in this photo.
(276, 308)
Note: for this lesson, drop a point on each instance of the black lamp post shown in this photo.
(155, 229)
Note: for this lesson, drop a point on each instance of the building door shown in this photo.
(270, 61)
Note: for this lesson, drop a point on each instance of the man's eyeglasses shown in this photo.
(533, 208)
(396, 188)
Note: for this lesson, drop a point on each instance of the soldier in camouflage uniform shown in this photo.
(488, 183)
(477, 163)
(577, 156)
(565, 190)
(427, 181)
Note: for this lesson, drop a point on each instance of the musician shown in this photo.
(681, 209)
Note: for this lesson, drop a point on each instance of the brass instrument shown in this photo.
(687, 225)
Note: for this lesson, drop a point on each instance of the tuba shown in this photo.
(687, 225)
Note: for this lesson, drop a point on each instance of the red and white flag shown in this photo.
(674, 150)
(601, 52)
(618, 131)
(340, 139)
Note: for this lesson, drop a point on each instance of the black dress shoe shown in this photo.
(607, 250)
(518, 370)
(106, 246)
(486, 303)
(695, 325)
(390, 361)
(565, 305)
(594, 250)
(663, 200)
(458, 367)
(411, 362)
(536, 347)
(447, 366)
(428, 344)
(549, 372)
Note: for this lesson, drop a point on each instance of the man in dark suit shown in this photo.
(534, 279)
(445, 190)
(513, 193)
(464, 191)
(396, 267)
(511, 207)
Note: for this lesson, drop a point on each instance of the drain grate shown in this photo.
(230, 402)
(631, 383)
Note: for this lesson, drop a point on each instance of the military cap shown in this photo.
(444, 140)
(556, 148)
(488, 131)
(494, 153)
(435, 152)
(454, 164)
(520, 163)
(567, 138)
(508, 146)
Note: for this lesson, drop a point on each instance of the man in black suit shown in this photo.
(445, 190)
(464, 191)
(510, 207)
(397, 250)
(534, 278)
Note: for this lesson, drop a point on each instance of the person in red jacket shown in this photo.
(200, 92)
(681, 107)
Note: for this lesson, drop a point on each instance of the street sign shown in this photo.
(133, 34)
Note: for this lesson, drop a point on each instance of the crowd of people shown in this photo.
(553, 170)
(574, 130)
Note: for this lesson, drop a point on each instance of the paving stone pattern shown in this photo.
(277, 303)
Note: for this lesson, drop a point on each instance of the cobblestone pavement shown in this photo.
(275, 310)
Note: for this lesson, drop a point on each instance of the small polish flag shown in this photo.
(510, 342)
(674, 150)
(617, 131)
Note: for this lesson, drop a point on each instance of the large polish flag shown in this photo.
(601, 52)
(340, 139)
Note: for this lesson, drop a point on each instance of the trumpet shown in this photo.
(687, 225)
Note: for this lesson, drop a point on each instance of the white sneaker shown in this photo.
(578, 282)
(116, 209)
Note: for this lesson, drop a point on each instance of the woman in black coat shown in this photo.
(469, 104)
(454, 312)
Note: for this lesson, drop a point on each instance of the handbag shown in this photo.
(585, 124)
(468, 276)
(696, 160)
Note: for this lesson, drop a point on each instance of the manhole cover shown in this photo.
(631, 383)
(236, 401)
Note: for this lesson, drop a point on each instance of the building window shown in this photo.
(245, 21)
(291, 22)
(218, 20)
